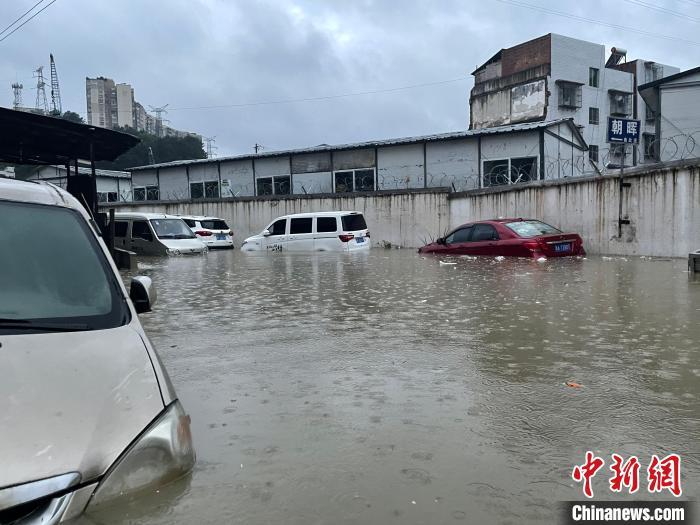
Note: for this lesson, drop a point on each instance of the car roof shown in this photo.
(500, 220)
(39, 192)
(144, 215)
(200, 218)
(319, 214)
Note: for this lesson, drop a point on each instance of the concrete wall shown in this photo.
(662, 205)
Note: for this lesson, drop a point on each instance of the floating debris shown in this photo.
(500, 258)
(573, 384)
(542, 259)
(443, 263)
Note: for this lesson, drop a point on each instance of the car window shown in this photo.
(120, 228)
(57, 275)
(301, 225)
(171, 229)
(532, 228)
(326, 224)
(140, 230)
(484, 232)
(189, 222)
(278, 228)
(354, 222)
(461, 235)
(214, 224)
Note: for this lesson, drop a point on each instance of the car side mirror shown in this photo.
(142, 293)
(266, 232)
(440, 240)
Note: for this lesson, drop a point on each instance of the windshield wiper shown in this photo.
(26, 324)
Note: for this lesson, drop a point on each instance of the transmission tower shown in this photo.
(41, 103)
(210, 146)
(159, 119)
(17, 90)
(55, 92)
(258, 147)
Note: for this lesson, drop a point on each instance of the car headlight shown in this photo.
(172, 251)
(163, 453)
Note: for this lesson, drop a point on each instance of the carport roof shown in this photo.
(27, 138)
(514, 128)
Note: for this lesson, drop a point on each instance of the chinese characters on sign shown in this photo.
(662, 474)
(623, 130)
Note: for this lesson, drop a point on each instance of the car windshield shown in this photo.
(171, 229)
(56, 277)
(532, 228)
(354, 222)
(214, 224)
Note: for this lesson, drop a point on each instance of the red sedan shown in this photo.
(509, 237)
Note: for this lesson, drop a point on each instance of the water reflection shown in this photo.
(345, 388)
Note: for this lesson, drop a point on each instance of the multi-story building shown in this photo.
(553, 77)
(100, 96)
(111, 105)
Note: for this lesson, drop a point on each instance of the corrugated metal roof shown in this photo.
(375, 143)
(83, 170)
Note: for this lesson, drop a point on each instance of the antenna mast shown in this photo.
(41, 103)
(210, 146)
(56, 109)
(17, 90)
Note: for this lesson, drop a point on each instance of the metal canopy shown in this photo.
(27, 138)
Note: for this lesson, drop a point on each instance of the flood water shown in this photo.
(389, 388)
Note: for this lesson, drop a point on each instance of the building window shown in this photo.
(650, 115)
(509, 171)
(204, 190)
(593, 115)
(152, 193)
(354, 180)
(273, 186)
(593, 76)
(616, 150)
(569, 95)
(620, 103)
(139, 194)
(107, 196)
(593, 153)
(649, 140)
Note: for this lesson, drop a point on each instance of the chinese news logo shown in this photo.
(661, 474)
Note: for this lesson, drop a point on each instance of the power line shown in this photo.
(598, 22)
(327, 97)
(662, 10)
(21, 17)
(29, 19)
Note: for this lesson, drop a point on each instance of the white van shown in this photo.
(155, 234)
(339, 231)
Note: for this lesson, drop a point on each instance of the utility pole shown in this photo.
(56, 109)
(159, 111)
(41, 103)
(210, 146)
(17, 91)
(258, 147)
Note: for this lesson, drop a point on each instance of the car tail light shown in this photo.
(202, 233)
(533, 246)
(346, 237)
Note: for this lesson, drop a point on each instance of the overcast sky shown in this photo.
(197, 53)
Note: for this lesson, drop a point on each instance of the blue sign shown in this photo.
(623, 130)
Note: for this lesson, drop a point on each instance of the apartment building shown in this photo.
(554, 77)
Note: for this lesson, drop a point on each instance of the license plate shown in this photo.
(359, 240)
(220, 236)
(563, 247)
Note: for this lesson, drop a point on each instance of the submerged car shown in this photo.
(88, 412)
(329, 231)
(155, 234)
(212, 231)
(507, 237)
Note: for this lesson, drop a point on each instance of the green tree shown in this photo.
(72, 116)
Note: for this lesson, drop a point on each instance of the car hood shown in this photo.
(184, 245)
(72, 402)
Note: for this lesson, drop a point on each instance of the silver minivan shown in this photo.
(155, 234)
(88, 412)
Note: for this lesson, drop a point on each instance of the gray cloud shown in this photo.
(192, 53)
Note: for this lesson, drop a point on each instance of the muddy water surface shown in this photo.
(390, 388)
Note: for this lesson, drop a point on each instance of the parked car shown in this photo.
(212, 231)
(88, 410)
(155, 234)
(324, 231)
(508, 237)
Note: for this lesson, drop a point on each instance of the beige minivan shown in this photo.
(155, 234)
(88, 412)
